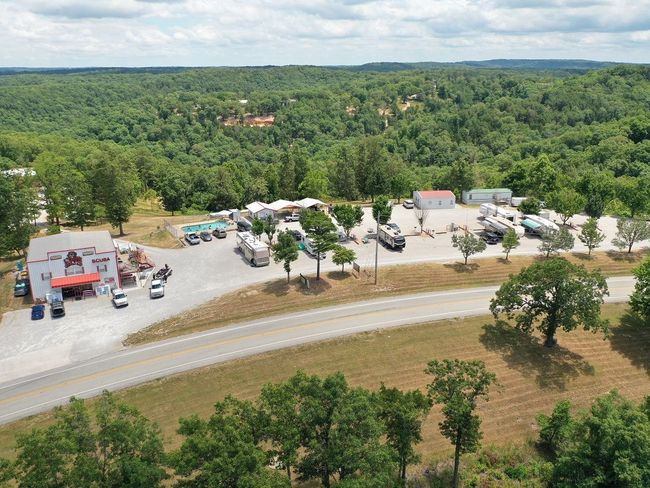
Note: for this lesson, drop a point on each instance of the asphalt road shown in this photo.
(41, 392)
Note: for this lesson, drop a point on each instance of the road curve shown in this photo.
(40, 392)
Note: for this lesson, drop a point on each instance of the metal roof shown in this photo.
(75, 280)
(435, 193)
(39, 247)
(530, 224)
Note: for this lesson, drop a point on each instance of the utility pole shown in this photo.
(377, 246)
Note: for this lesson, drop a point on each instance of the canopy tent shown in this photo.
(309, 202)
(280, 205)
(223, 213)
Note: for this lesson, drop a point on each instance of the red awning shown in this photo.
(74, 280)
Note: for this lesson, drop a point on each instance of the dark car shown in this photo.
(21, 289)
(38, 312)
(57, 309)
(205, 236)
(244, 226)
(219, 233)
(297, 235)
(490, 238)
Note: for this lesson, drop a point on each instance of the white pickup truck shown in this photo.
(157, 289)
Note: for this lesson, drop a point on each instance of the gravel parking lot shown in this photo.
(92, 327)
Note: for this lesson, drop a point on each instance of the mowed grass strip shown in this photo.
(276, 297)
(532, 378)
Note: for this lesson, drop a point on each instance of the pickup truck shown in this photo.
(157, 289)
(192, 239)
(119, 298)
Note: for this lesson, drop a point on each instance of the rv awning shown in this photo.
(530, 224)
(74, 280)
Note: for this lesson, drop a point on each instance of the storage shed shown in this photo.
(487, 195)
(434, 199)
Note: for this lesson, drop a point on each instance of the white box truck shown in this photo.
(390, 238)
(255, 251)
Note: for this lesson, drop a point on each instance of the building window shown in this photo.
(74, 270)
(102, 268)
(470, 196)
(46, 276)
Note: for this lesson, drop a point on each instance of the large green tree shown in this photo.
(629, 232)
(468, 244)
(590, 234)
(343, 255)
(382, 209)
(285, 250)
(348, 216)
(566, 202)
(458, 386)
(556, 241)
(18, 212)
(321, 231)
(640, 298)
(550, 295)
(78, 203)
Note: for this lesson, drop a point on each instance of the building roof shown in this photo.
(75, 280)
(308, 202)
(282, 204)
(39, 247)
(257, 207)
(436, 193)
(491, 190)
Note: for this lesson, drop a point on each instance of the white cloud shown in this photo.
(245, 32)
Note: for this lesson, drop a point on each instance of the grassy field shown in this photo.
(276, 297)
(532, 378)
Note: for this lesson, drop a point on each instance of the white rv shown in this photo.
(389, 237)
(545, 224)
(519, 230)
(492, 210)
(255, 251)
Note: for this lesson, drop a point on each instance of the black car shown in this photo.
(490, 238)
(297, 235)
(205, 236)
(244, 226)
(57, 309)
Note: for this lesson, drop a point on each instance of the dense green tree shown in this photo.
(52, 171)
(598, 188)
(257, 227)
(344, 177)
(116, 446)
(315, 184)
(640, 298)
(382, 209)
(321, 231)
(629, 232)
(468, 244)
(172, 188)
(510, 241)
(458, 386)
(530, 206)
(17, 214)
(285, 250)
(403, 414)
(461, 176)
(634, 193)
(556, 241)
(343, 255)
(270, 228)
(590, 234)
(608, 446)
(372, 168)
(555, 430)
(550, 295)
(348, 216)
(566, 203)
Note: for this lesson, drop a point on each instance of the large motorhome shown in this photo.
(519, 230)
(390, 238)
(545, 224)
(255, 251)
(492, 210)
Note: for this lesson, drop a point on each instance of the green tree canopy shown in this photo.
(348, 216)
(590, 234)
(322, 232)
(468, 244)
(285, 250)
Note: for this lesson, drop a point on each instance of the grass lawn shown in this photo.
(276, 297)
(532, 378)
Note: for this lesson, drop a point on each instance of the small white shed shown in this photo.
(434, 199)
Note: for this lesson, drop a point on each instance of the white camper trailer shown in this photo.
(519, 230)
(255, 251)
(492, 210)
(389, 237)
(545, 224)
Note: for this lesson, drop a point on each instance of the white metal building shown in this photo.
(487, 195)
(434, 199)
(72, 264)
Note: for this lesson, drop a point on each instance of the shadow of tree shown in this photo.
(583, 256)
(463, 268)
(552, 367)
(338, 275)
(629, 257)
(631, 338)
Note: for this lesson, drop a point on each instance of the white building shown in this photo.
(72, 264)
(434, 199)
(477, 196)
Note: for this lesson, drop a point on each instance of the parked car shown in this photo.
(219, 233)
(192, 239)
(244, 226)
(490, 238)
(408, 204)
(57, 309)
(394, 226)
(38, 312)
(294, 217)
(21, 288)
(119, 298)
(296, 234)
(205, 236)
(157, 289)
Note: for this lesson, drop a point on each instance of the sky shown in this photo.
(77, 33)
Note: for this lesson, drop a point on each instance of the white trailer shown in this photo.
(390, 238)
(493, 225)
(492, 210)
(545, 224)
(255, 251)
(519, 230)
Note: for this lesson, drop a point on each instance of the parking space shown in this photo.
(93, 326)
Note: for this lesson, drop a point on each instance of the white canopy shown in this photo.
(282, 204)
(222, 213)
(309, 202)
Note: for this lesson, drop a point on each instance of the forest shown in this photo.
(190, 136)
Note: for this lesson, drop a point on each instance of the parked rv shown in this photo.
(545, 224)
(309, 249)
(492, 210)
(390, 238)
(255, 251)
